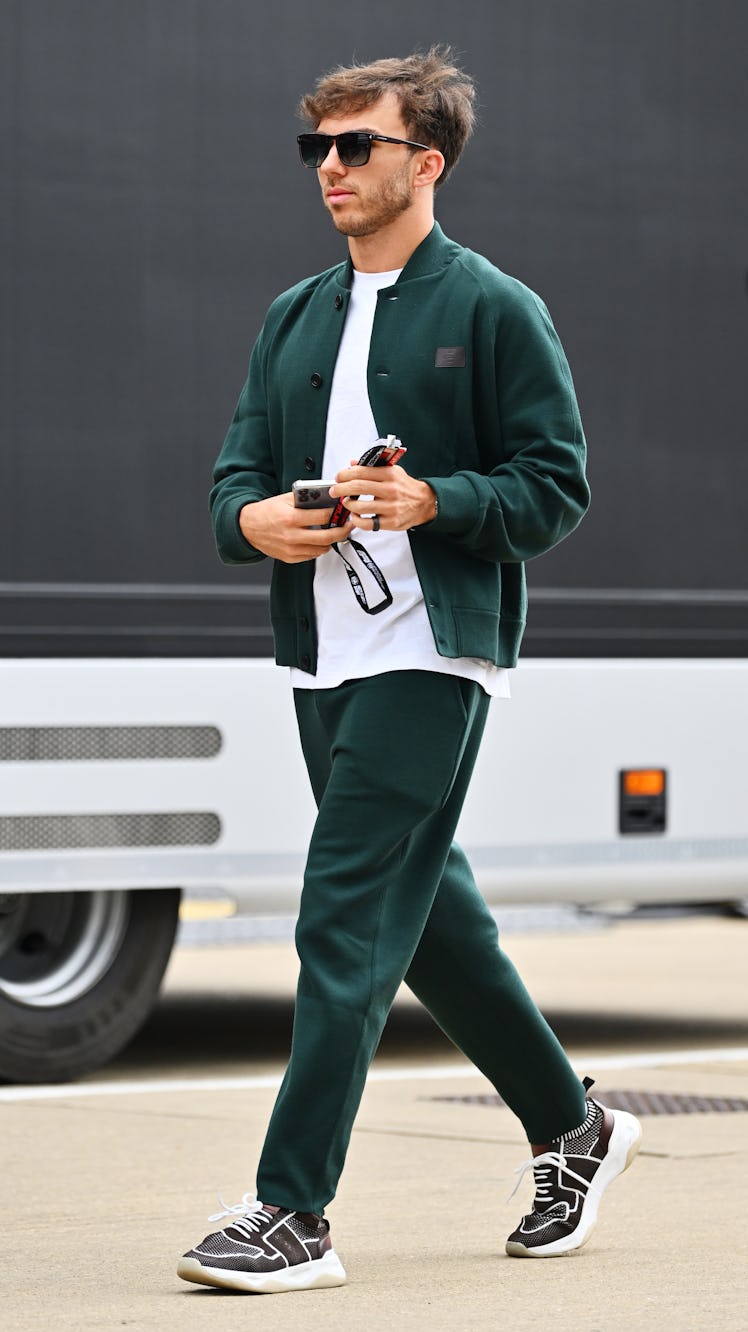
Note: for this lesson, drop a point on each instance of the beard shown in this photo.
(377, 207)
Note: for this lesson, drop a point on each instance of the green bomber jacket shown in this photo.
(466, 368)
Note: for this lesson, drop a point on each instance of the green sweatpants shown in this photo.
(388, 896)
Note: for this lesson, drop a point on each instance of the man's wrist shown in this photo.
(433, 503)
(430, 507)
(241, 521)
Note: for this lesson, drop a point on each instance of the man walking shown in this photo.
(397, 638)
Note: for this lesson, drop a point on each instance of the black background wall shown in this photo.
(153, 205)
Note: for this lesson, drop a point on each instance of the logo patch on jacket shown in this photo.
(449, 358)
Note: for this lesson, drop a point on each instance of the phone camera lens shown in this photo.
(314, 494)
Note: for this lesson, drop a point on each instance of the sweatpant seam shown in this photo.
(317, 1190)
(366, 1016)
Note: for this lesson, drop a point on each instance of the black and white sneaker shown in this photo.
(265, 1250)
(571, 1176)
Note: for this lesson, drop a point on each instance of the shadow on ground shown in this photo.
(213, 1030)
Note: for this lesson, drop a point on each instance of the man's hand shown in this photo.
(398, 500)
(282, 531)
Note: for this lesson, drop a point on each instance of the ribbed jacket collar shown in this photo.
(434, 253)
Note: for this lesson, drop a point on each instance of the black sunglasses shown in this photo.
(353, 147)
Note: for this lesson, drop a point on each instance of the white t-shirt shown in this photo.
(351, 643)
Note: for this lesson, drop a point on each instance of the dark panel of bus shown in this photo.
(153, 205)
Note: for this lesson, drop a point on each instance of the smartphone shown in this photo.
(313, 495)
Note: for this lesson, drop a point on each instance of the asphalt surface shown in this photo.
(105, 1182)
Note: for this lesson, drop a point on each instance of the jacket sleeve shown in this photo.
(534, 491)
(244, 471)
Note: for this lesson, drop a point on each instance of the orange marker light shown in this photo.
(644, 781)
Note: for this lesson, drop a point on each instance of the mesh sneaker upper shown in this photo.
(563, 1174)
(261, 1240)
(583, 1140)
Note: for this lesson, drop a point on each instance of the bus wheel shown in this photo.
(79, 974)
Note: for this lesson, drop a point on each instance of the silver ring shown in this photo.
(375, 522)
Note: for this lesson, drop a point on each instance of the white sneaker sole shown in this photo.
(625, 1141)
(315, 1275)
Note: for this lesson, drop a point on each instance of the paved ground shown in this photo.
(104, 1183)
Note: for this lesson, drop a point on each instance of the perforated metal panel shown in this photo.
(58, 832)
(79, 744)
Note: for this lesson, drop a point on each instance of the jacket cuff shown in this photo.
(233, 546)
(455, 498)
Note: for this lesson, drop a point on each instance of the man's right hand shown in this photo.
(277, 528)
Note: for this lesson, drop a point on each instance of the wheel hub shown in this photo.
(55, 947)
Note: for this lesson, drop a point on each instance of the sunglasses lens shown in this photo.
(354, 149)
(313, 148)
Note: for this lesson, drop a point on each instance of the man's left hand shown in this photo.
(398, 500)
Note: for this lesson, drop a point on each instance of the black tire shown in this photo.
(79, 974)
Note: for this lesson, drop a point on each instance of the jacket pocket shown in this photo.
(477, 632)
(285, 638)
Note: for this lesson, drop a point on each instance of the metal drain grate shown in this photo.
(637, 1102)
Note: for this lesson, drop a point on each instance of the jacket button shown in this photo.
(303, 623)
(309, 464)
(338, 302)
(316, 380)
(306, 662)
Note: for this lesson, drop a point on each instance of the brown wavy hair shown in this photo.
(437, 98)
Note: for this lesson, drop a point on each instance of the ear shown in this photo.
(430, 168)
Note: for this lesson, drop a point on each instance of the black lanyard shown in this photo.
(385, 453)
(356, 583)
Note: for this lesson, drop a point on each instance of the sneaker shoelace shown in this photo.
(250, 1212)
(544, 1167)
